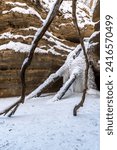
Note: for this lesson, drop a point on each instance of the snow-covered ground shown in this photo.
(41, 124)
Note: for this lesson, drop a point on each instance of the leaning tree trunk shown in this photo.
(65, 88)
(74, 3)
(55, 76)
(50, 80)
(28, 60)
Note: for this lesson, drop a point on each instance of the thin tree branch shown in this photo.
(37, 92)
(54, 77)
(65, 87)
(28, 60)
(38, 37)
(74, 4)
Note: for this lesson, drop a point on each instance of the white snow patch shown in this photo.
(16, 3)
(29, 10)
(52, 50)
(94, 5)
(20, 47)
(59, 44)
(94, 34)
(30, 28)
(8, 35)
(24, 62)
(47, 4)
(93, 44)
(52, 38)
(40, 124)
(82, 17)
(93, 92)
(66, 10)
(74, 66)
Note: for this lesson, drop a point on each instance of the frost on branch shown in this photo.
(72, 72)
(76, 71)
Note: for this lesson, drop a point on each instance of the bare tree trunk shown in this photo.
(40, 34)
(53, 78)
(74, 3)
(37, 92)
(65, 88)
(28, 60)
(50, 80)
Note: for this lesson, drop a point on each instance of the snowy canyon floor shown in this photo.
(41, 124)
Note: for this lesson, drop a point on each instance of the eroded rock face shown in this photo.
(42, 66)
(94, 49)
(64, 29)
(96, 14)
(17, 31)
(20, 20)
(94, 41)
(94, 44)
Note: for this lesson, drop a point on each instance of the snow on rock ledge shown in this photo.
(20, 20)
(42, 66)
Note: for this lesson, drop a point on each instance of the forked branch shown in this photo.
(55, 76)
(28, 60)
(11, 109)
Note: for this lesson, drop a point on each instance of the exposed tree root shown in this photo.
(54, 77)
(28, 60)
(80, 104)
(11, 109)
